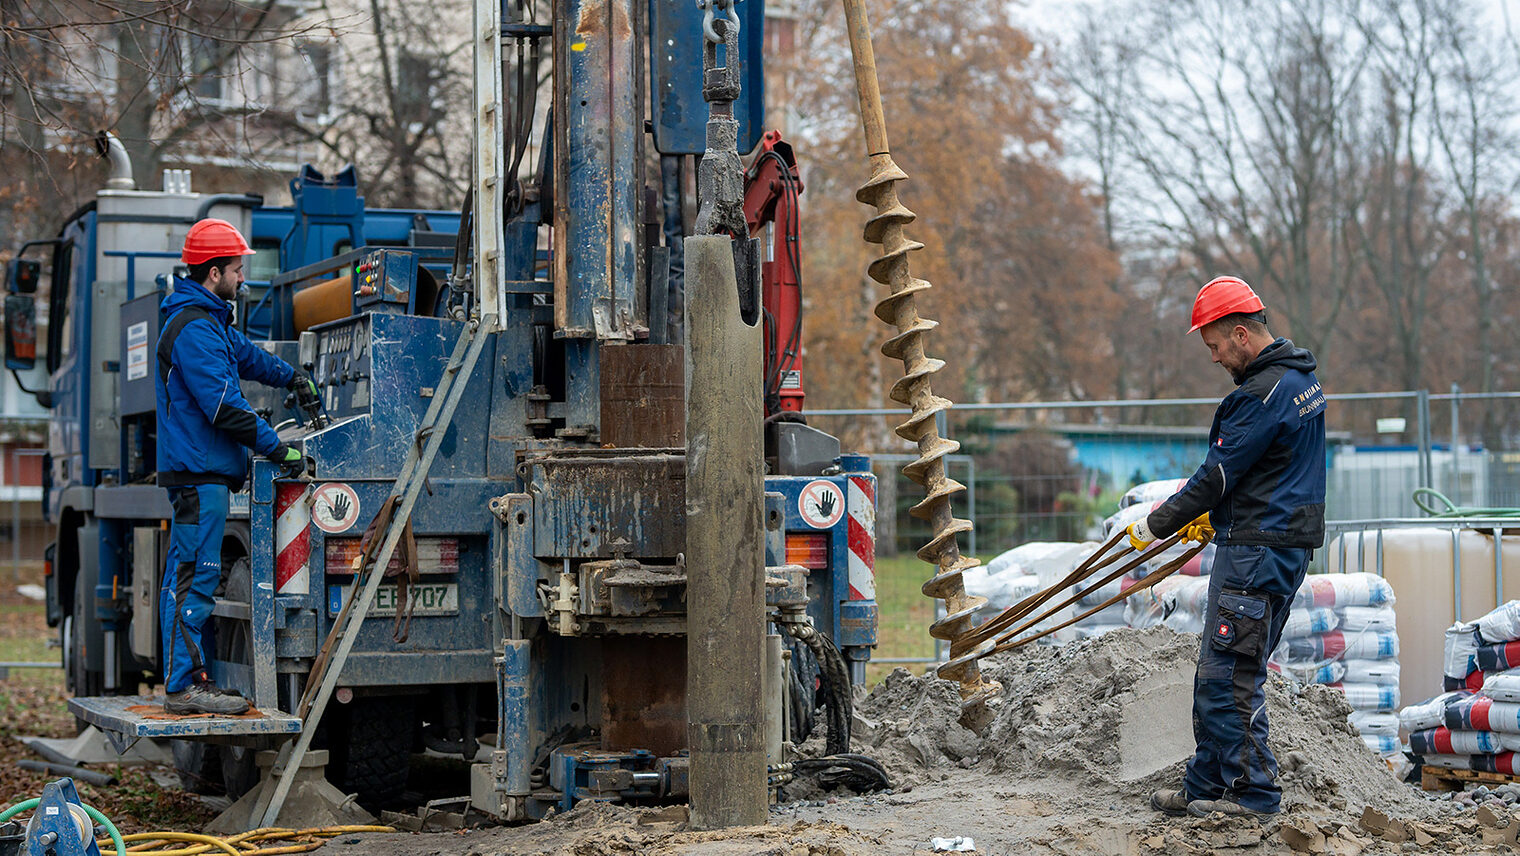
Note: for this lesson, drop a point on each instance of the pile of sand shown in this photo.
(1115, 711)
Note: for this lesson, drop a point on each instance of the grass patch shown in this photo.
(905, 614)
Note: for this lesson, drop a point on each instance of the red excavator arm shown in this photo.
(771, 187)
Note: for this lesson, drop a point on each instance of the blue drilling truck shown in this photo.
(516, 368)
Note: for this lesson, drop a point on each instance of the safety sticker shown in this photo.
(821, 504)
(137, 351)
(335, 508)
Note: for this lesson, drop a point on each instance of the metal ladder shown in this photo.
(409, 483)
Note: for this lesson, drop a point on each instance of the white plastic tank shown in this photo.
(1421, 564)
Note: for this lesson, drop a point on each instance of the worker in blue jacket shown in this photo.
(1261, 490)
(204, 423)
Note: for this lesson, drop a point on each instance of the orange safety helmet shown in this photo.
(212, 239)
(1221, 296)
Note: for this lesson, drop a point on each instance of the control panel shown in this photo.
(343, 366)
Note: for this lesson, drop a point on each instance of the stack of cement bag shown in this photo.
(1341, 633)
(1475, 724)
(1477, 649)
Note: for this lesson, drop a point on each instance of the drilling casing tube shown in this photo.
(725, 544)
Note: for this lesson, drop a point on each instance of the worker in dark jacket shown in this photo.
(1262, 487)
(204, 423)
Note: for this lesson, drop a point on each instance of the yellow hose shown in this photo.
(232, 844)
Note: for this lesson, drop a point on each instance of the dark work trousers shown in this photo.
(192, 571)
(1251, 590)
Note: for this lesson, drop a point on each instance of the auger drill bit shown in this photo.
(900, 308)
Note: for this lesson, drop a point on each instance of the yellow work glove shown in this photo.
(1140, 536)
(1200, 530)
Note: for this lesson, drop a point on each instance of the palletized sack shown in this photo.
(1460, 654)
(1383, 744)
(1504, 686)
(1449, 762)
(1431, 712)
(1503, 762)
(1368, 722)
(1113, 588)
(1472, 683)
(1310, 672)
(1501, 625)
(1343, 590)
(1307, 622)
(1382, 672)
(1366, 645)
(1370, 696)
(1498, 657)
(1177, 602)
(1151, 492)
(1355, 619)
(1483, 714)
(1444, 741)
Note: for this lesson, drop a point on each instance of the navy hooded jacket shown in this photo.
(203, 419)
(1263, 480)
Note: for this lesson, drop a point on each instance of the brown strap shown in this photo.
(1006, 642)
(1100, 559)
(406, 563)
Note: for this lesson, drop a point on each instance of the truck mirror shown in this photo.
(23, 277)
(20, 331)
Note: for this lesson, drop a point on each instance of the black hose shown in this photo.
(836, 681)
(855, 772)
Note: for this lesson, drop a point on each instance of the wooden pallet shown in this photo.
(1442, 779)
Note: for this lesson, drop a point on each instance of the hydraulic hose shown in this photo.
(241, 844)
(835, 675)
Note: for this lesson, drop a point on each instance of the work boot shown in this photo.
(1174, 803)
(1228, 808)
(205, 697)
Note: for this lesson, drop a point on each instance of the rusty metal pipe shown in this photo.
(900, 309)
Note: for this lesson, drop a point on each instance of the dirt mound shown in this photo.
(1115, 711)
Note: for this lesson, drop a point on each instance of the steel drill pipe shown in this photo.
(914, 388)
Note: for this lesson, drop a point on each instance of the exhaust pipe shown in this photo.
(110, 148)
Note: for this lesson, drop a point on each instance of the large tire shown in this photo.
(198, 765)
(239, 773)
(370, 743)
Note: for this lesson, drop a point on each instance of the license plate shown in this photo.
(426, 598)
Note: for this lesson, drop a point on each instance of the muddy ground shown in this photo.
(1081, 736)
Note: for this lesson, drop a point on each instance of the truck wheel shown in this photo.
(198, 765)
(238, 771)
(81, 680)
(370, 746)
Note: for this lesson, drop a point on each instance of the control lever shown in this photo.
(307, 404)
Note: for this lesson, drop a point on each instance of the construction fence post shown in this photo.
(1422, 399)
(1455, 488)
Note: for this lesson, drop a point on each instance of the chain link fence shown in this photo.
(1052, 471)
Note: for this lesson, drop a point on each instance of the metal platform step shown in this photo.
(124, 721)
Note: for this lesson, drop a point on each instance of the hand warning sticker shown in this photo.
(821, 504)
(335, 508)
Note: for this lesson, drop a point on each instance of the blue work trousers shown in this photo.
(1251, 590)
(192, 573)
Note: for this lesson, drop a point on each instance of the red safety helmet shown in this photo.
(1221, 296)
(212, 239)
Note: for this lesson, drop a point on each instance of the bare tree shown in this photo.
(402, 111)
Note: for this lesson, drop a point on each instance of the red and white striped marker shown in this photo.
(860, 505)
(292, 539)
